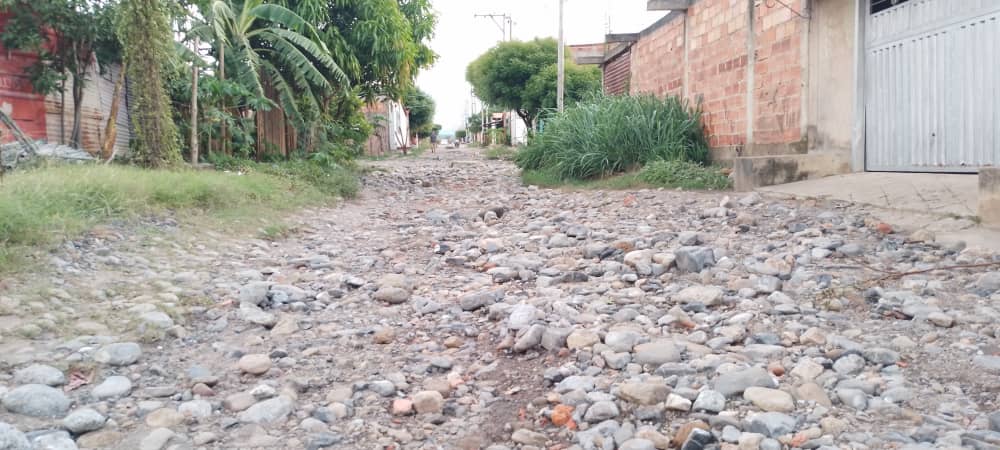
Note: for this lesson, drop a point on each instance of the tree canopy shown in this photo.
(422, 109)
(380, 44)
(66, 35)
(520, 75)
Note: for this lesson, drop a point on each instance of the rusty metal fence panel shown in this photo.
(932, 86)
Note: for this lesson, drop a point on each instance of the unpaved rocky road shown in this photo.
(452, 308)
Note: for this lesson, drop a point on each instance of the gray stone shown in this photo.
(706, 295)
(851, 250)
(637, 444)
(392, 295)
(881, 356)
(119, 354)
(648, 393)
(40, 374)
(849, 365)
(83, 420)
(384, 388)
(156, 439)
(56, 440)
(770, 444)
(12, 439)
(989, 363)
(478, 300)
(995, 421)
(555, 338)
(529, 339)
(112, 388)
(199, 409)
(769, 399)
(621, 340)
(428, 402)
(657, 353)
(734, 383)
(601, 411)
(254, 293)
(694, 259)
(710, 401)
(156, 319)
(698, 440)
(521, 316)
(772, 424)
(854, 398)
(575, 382)
(268, 411)
(988, 283)
(36, 400)
(255, 315)
(528, 437)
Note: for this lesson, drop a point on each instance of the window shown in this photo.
(882, 5)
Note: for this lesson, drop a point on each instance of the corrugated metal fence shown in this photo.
(933, 86)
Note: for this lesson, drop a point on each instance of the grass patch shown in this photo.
(46, 205)
(276, 232)
(500, 154)
(611, 135)
(545, 179)
(329, 179)
(684, 175)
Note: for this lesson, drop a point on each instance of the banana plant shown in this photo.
(266, 44)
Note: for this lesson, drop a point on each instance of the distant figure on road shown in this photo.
(434, 141)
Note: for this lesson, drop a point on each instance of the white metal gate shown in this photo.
(932, 86)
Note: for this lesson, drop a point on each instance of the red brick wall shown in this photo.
(717, 59)
(618, 74)
(778, 74)
(717, 68)
(657, 60)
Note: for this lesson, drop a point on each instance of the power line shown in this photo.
(505, 24)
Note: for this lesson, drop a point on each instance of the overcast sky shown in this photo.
(461, 38)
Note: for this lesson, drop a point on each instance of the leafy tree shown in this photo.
(475, 123)
(522, 76)
(581, 82)
(461, 134)
(422, 108)
(380, 44)
(66, 35)
(148, 45)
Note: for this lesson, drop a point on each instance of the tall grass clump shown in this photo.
(613, 134)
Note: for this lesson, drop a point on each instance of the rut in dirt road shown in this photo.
(450, 307)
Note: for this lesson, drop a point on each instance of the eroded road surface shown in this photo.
(452, 308)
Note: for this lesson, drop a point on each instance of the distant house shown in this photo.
(392, 127)
(798, 89)
(50, 118)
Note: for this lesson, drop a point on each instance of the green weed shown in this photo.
(610, 135)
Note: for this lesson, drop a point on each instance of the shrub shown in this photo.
(608, 135)
(684, 175)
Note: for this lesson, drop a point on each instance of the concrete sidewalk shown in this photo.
(945, 204)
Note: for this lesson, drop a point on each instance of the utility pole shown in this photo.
(505, 24)
(561, 87)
